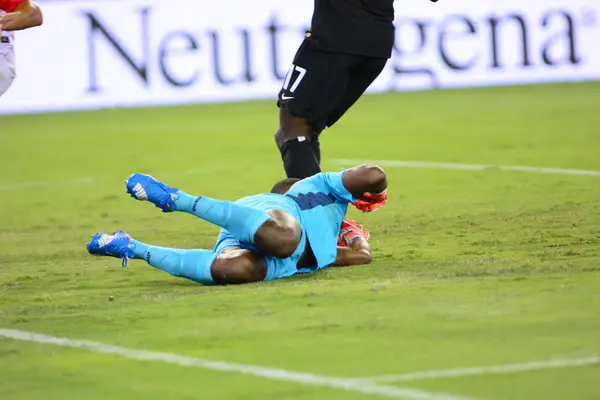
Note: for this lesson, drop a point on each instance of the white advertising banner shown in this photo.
(95, 54)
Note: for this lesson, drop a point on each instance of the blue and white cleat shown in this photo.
(116, 245)
(146, 188)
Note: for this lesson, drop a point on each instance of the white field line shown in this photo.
(500, 369)
(308, 379)
(468, 167)
(79, 181)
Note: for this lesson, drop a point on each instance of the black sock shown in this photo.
(316, 146)
(299, 159)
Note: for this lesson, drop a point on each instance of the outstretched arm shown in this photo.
(358, 253)
(25, 15)
(353, 247)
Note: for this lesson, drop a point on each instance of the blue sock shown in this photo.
(241, 221)
(190, 264)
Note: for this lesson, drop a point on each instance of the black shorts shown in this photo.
(321, 86)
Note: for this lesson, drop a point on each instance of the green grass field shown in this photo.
(472, 268)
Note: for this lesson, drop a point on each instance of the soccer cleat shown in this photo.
(118, 245)
(146, 188)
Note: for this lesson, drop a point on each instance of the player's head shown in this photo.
(284, 185)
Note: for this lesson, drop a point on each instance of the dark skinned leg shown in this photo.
(279, 236)
(298, 145)
(315, 85)
(236, 266)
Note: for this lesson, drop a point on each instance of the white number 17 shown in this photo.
(288, 78)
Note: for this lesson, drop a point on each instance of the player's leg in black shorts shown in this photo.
(315, 82)
(318, 89)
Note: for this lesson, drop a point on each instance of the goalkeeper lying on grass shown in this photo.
(297, 228)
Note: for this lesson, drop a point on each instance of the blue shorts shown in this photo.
(319, 204)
